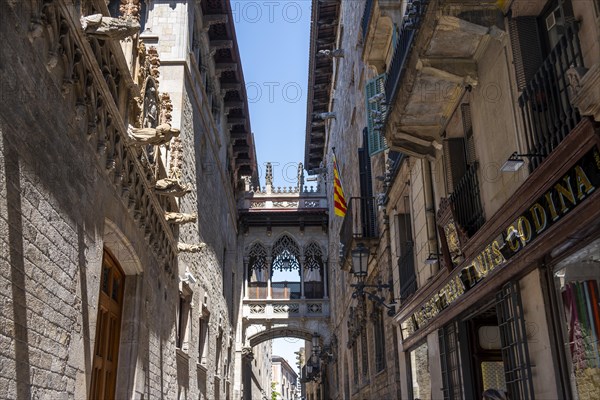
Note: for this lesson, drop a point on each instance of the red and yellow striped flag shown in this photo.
(339, 201)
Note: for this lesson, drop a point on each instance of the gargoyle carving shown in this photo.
(180, 218)
(574, 76)
(337, 53)
(190, 248)
(162, 134)
(171, 187)
(108, 28)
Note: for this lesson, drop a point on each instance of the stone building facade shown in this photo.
(118, 266)
(482, 125)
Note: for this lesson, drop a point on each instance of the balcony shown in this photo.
(548, 114)
(378, 23)
(359, 225)
(466, 201)
(434, 61)
(273, 309)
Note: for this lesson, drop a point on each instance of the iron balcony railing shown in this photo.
(405, 39)
(548, 115)
(467, 201)
(359, 223)
(366, 18)
(408, 277)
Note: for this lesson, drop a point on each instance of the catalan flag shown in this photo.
(339, 201)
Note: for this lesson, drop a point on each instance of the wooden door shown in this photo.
(108, 330)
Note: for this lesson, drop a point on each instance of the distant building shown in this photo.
(285, 379)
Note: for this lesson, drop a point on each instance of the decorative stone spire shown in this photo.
(300, 177)
(269, 177)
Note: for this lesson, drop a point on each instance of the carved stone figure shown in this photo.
(190, 248)
(171, 187)
(156, 136)
(247, 353)
(108, 28)
(180, 218)
(337, 53)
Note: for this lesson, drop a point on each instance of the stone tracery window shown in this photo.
(286, 254)
(285, 269)
(257, 263)
(313, 271)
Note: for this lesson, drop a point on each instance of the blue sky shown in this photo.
(273, 38)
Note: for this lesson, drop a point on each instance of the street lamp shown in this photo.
(360, 261)
(360, 266)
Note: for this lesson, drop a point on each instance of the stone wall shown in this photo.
(59, 207)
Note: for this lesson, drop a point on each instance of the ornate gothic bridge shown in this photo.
(284, 234)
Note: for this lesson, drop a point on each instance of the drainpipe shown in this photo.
(431, 223)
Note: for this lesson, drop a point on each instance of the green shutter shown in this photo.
(376, 114)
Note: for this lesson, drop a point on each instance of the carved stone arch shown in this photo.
(130, 373)
(257, 256)
(121, 248)
(282, 332)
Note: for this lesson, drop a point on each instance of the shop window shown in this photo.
(450, 362)
(513, 338)
(577, 280)
(420, 378)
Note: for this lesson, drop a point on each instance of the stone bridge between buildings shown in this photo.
(285, 247)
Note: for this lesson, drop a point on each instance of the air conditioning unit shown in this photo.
(554, 19)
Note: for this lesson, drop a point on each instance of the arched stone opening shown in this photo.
(285, 269)
(281, 332)
(313, 271)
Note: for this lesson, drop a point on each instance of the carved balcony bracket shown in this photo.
(584, 90)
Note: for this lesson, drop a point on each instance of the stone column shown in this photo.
(246, 277)
(325, 273)
(269, 267)
(302, 260)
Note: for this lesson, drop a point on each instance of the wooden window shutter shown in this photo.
(366, 187)
(455, 161)
(526, 47)
(376, 114)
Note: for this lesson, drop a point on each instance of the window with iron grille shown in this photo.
(379, 335)
(461, 176)
(515, 353)
(364, 348)
(450, 362)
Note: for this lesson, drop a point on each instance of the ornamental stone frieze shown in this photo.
(95, 79)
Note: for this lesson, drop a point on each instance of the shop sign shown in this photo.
(560, 199)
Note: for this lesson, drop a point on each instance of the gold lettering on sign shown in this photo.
(513, 242)
(499, 257)
(565, 192)
(582, 182)
(539, 217)
(524, 229)
(550, 201)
